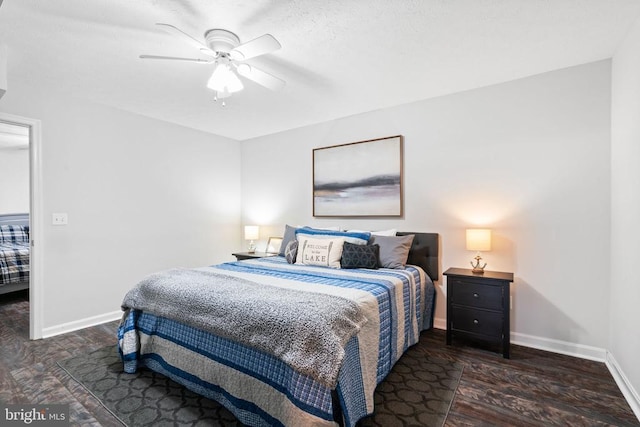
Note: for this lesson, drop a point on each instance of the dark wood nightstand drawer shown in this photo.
(478, 306)
(474, 294)
(477, 322)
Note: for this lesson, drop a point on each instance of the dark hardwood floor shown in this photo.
(533, 388)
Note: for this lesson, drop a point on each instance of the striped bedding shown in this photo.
(262, 390)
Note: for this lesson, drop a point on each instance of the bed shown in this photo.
(14, 252)
(268, 376)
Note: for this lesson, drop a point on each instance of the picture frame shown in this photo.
(273, 245)
(359, 179)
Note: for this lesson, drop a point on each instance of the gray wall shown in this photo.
(624, 342)
(529, 159)
(14, 180)
(141, 195)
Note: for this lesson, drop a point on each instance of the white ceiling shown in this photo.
(339, 57)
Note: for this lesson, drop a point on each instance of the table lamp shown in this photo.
(478, 239)
(251, 233)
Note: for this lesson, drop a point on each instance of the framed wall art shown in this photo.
(359, 179)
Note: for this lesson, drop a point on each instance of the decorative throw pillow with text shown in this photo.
(321, 252)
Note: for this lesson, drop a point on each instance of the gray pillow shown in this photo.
(291, 251)
(289, 235)
(394, 250)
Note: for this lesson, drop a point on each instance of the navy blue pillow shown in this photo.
(360, 256)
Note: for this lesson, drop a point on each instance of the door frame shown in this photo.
(35, 220)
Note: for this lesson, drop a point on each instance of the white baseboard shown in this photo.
(81, 324)
(562, 347)
(547, 344)
(625, 386)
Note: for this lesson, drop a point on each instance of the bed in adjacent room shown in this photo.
(287, 340)
(14, 252)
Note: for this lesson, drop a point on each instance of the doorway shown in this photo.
(33, 133)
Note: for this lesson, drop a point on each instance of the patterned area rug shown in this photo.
(418, 391)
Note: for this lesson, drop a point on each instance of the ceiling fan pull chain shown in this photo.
(215, 98)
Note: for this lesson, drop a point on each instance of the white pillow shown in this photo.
(321, 252)
(391, 232)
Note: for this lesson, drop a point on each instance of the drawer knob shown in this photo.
(475, 321)
(475, 295)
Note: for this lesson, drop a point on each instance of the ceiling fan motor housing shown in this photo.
(221, 40)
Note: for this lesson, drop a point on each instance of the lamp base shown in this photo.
(477, 268)
(252, 247)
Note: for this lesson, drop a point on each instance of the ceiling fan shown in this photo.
(224, 49)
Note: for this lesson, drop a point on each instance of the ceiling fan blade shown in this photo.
(261, 77)
(186, 37)
(256, 47)
(176, 58)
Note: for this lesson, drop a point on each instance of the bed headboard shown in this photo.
(425, 252)
(14, 219)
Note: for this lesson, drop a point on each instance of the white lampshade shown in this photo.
(479, 239)
(251, 232)
(224, 80)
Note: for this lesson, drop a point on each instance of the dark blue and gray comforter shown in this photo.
(14, 254)
(255, 381)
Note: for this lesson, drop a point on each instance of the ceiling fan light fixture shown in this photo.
(224, 48)
(222, 95)
(224, 79)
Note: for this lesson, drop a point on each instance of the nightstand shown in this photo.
(478, 307)
(250, 255)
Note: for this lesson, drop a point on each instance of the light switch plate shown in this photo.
(59, 219)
